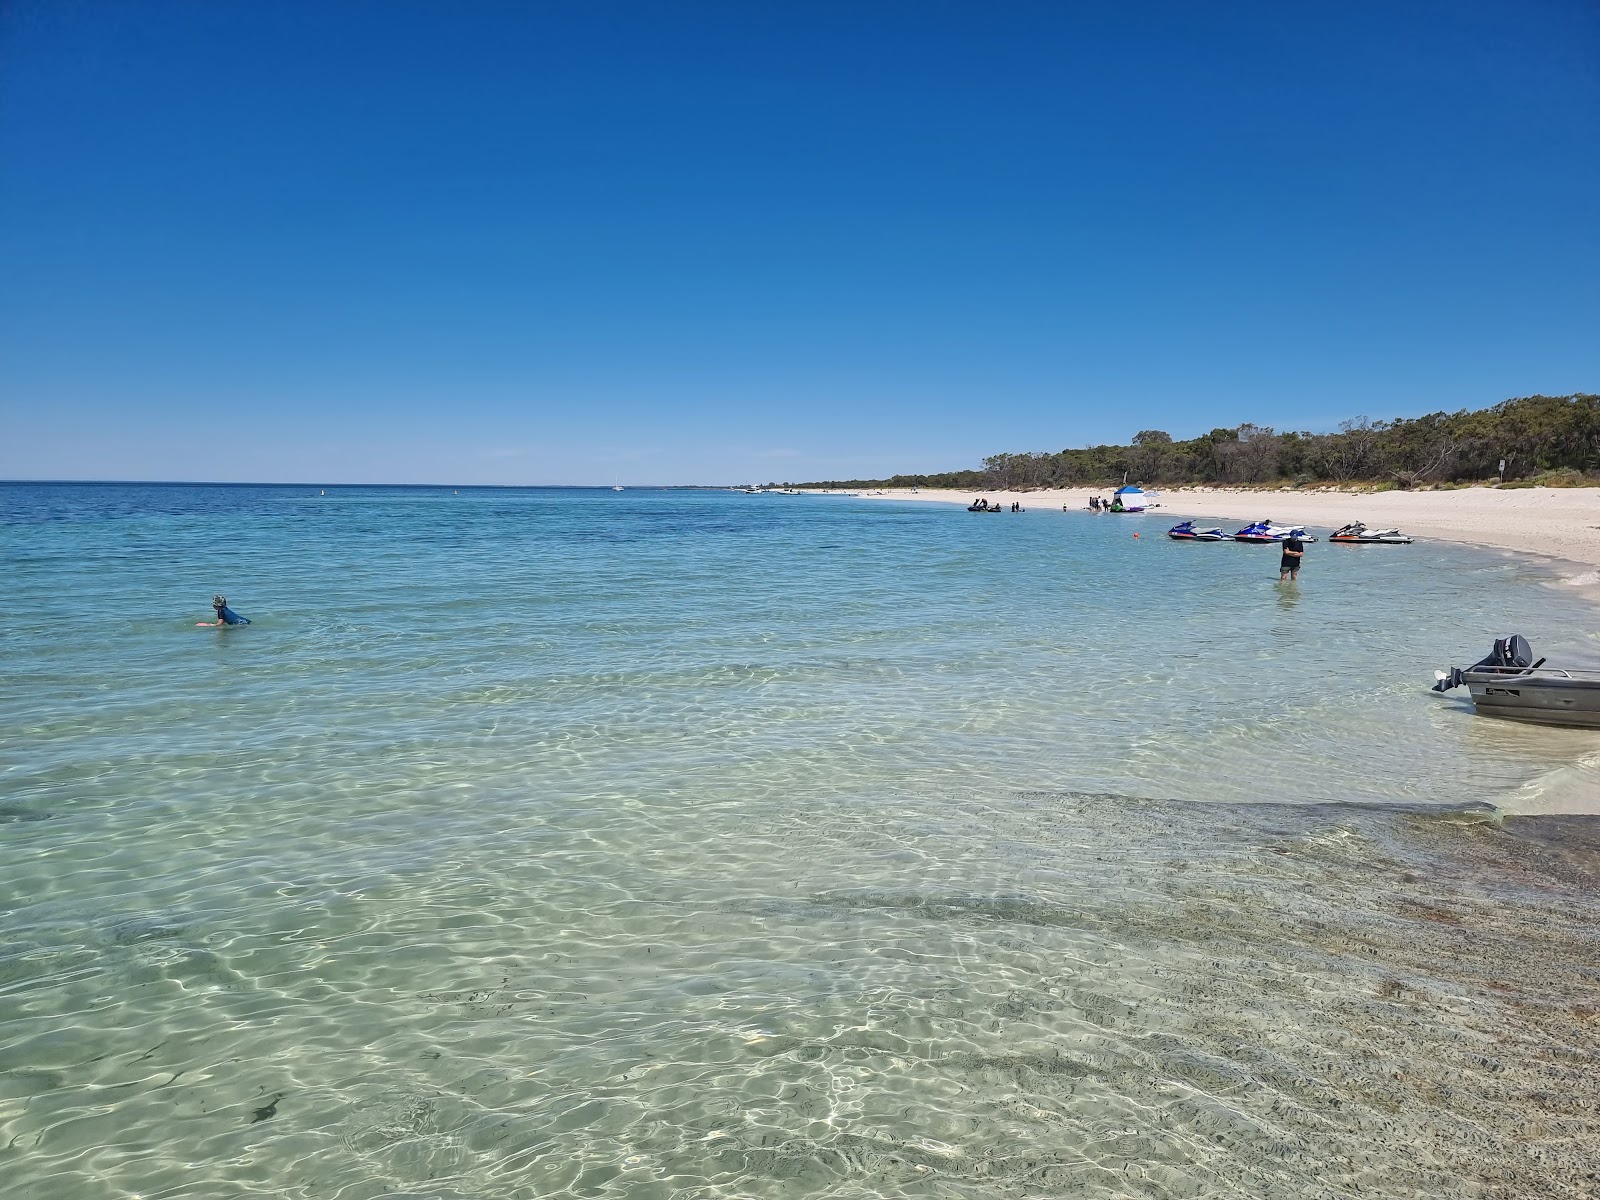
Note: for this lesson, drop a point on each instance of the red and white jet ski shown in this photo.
(1357, 534)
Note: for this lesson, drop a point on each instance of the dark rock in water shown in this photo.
(269, 1109)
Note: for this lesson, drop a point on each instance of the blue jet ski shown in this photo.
(1186, 532)
(1266, 531)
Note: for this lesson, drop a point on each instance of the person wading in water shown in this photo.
(1289, 567)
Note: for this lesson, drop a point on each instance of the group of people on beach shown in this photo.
(1098, 504)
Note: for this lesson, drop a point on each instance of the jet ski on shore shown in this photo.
(1266, 531)
(1186, 532)
(1357, 534)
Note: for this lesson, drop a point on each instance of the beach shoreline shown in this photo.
(1556, 530)
(1560, 524)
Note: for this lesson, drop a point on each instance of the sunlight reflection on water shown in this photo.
(567, 843)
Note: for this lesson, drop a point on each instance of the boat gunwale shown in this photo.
(1548, 674)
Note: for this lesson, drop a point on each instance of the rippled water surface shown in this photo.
(662, 844)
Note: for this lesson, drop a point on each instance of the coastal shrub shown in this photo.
(1554, 438)
(1564, 477)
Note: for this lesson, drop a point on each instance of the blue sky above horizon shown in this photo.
(709, 242)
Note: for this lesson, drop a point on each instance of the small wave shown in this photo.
(1569, 790)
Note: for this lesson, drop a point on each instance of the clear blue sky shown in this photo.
(457, 241)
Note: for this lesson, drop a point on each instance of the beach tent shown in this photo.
(1132, 499)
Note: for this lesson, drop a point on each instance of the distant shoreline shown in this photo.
(1558, 523)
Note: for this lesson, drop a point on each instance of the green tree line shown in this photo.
(1556, 438)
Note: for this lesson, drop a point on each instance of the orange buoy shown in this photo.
(1136, 535)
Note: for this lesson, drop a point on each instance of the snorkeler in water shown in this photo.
(225, 615)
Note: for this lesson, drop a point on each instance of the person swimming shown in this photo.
(225, 615)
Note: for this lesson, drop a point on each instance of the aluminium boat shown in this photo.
(1186, 532)
(1509, 683)
(1357, 534)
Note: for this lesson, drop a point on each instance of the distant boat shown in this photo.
(617, 487)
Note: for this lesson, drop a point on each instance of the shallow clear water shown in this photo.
(554, 842)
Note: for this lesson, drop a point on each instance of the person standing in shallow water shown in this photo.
(1289, 566)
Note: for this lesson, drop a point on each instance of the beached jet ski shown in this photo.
(1266, 531)
(1509, 683)
(1357, 534)
(1186, 532)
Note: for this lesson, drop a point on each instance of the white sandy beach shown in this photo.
(1561, 523)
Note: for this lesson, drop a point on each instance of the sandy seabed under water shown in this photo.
(1241, 1000)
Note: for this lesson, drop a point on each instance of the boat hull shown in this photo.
(1542, 700)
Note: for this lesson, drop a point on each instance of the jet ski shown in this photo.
(1266, 531)
(1357, 534)
(1186, 532)
(979, 505)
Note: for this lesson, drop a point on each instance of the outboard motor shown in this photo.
(1510, 653)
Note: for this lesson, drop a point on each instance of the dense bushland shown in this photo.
(1555, 438)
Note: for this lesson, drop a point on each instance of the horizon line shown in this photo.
(326, 484)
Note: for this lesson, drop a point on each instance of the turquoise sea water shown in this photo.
(687, 844)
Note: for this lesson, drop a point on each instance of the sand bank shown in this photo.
(1562, 523)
